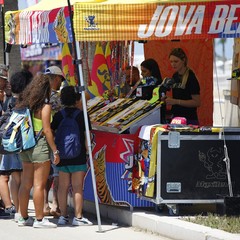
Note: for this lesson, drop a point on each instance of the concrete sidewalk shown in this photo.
(169, 226)
(9, 230)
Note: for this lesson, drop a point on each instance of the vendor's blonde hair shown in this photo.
(185, 78)
(179, 53)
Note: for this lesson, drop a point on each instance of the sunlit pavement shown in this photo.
(9, 230)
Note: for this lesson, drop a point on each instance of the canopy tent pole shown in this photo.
(226, 156)
(3, 35)
(89, 140)
(77, 51)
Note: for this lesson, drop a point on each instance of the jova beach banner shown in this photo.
(129, 20)
(156, 21)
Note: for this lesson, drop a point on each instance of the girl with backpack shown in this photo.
(36, 161)
(69, 128)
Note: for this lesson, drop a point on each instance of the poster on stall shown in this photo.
(113, 156)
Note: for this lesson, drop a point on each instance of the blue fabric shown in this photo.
(149, 81)
(10, 162)
(73, 168)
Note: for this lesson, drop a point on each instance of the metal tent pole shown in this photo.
(78, 62)
(88, 139)
(3, 34)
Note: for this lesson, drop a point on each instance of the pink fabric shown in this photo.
(179, 120)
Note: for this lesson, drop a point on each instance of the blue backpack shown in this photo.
(18, 134)
(67, 136)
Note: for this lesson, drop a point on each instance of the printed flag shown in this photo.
(100, 77)
(67, 65)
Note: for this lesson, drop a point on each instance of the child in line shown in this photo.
(72, 170)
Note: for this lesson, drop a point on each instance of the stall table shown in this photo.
(115, 145)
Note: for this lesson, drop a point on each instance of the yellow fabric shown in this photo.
(52, 4)
(153, 164)
(114, 20)
(155, 95)
(37, 123)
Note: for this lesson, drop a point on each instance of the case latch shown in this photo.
(174, 139)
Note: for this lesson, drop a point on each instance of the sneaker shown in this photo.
(11, 210)
(63, 220)
(81, 222)
(22, 222)
(3, 214)
(44, 224)
(17, 216)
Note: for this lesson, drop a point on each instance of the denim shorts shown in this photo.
(73, 168)
(10, 163)
(39, 154)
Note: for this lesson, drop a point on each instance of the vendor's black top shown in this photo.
(58, 117)
(192, 88)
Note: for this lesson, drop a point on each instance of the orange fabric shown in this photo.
(200, 60)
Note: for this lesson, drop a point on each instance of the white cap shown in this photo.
(54, 70)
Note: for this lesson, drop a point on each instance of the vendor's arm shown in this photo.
(194, 102)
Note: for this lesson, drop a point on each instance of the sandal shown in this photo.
(55, 213)
(47, 211)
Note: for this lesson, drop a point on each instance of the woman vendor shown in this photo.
(186, 90)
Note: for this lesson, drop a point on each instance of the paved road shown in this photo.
(10, 231)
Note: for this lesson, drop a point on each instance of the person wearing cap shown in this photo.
(56, 79)
(185, 91)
